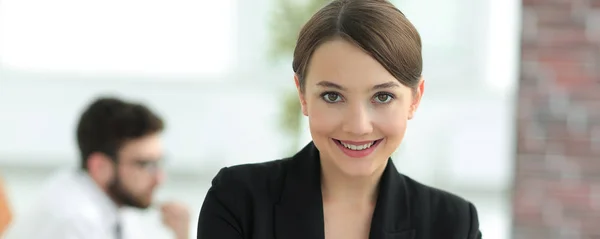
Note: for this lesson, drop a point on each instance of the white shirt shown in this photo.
(71, 206)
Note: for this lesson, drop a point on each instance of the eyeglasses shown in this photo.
(151, 166)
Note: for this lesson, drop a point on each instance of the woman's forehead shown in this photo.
(343, 63)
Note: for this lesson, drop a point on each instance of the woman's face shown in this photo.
(357, 110)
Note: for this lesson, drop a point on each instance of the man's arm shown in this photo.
(176, 217)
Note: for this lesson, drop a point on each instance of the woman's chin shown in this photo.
(360, 170)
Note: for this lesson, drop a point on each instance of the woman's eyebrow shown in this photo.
(329, 84)
(387, 85)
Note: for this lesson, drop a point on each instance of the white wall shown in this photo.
(208, 124)
(207, 114)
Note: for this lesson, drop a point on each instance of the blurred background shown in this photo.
(510, 117)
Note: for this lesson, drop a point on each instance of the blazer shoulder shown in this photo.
(254, 178)
(446, 210)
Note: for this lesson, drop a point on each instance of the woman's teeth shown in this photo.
(358, 147)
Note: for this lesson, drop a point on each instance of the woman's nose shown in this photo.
(357, 121)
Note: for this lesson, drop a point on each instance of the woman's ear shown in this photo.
(301, 95)
(417, 98)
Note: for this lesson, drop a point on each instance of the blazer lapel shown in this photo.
(392, 215)
(299, 212)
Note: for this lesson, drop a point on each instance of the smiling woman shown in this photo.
(360, 101)
(133, 37)
(357, 66)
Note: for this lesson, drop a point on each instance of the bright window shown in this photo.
(139, 37)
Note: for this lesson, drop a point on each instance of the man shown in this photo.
(121, 150)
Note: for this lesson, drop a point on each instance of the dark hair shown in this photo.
(108, 123)
(376, 26)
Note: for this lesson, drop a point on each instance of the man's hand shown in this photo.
(176, 217)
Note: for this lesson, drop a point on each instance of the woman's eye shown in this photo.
(332, 97)
(383, 98)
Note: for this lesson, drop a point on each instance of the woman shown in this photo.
(357, 67)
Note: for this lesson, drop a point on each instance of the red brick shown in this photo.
(559, 133)
(571, 75)
(533, 163)
(574, 147)
(549, 15)
(525, 110)
(529, 54)
(555, 55)
(573, 79)
(528, 211)
(527, 207)
(562, 37)
(589, 166)
(552, 3)
(594, 3)
(558, 120)
(573, 193)
(529, 146)
(588, 95)
(589, 222)
(530, 92)
(529, 79)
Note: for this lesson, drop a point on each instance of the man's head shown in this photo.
(120, 147)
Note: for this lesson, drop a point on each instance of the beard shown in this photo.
(122, 196)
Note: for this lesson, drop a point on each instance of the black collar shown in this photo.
(299, 212)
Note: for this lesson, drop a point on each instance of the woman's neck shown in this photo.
(341, 188)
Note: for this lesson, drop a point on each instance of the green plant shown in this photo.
(288, 18)
(291, 119)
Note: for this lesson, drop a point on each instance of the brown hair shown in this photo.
(108, 123)
(376, 26)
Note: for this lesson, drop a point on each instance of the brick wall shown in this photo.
(557, 179)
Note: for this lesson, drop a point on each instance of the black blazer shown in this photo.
(282, 200)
